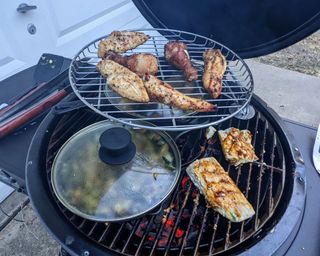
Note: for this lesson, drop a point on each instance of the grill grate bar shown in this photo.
(270, 204)
(83, 222)
(73, 217)
(215, 226)
(135, 226)
(194, 211)
(81, 70)
(195, 253)
(198, 64)
(176, 117)
(188, 94)
(91, 65)
(75, 123)
(60, 131)
(93, 228)
(269, 167)
(254, 143)
(154, 109)
(167, 213)
(256, 222)
(114, 240)
(156, 103)
(173, 231)
(217, 216)
(254, 139)
(166, 74)
(177, 81)
(162, 74)
(227, 241)
(188, 87)
(150, 223)
(104, 233)
(227, 236)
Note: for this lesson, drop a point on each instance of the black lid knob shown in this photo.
(116, 146)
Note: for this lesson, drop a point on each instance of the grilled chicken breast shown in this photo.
(165, 93)
(214, 67)
(141, 63)
(219, 189)
(236, 146)
(123, 81)
(177, 54)
(121, 41)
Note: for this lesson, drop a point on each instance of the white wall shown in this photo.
(63, 27)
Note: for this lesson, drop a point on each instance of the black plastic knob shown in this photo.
(116, 146)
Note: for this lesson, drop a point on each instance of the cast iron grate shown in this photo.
(185, 226)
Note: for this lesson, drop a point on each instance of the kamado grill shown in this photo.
(182, 224)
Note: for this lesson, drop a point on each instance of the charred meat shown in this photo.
(121, 41)
(219, 189)
(236, 146)
(177, 54)
(123, 81)
(165, 93)
(214, 67)
(141, 63)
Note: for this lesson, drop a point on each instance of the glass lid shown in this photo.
(111, 172)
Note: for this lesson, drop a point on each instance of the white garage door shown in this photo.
(61, 27)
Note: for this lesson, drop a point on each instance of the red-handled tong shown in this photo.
(23, 117)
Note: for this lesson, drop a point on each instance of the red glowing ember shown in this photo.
(172, 217)
(179, 233)
(184, 181)
(151, 238)
(169, 223)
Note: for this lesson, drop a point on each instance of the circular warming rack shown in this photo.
(92, 88)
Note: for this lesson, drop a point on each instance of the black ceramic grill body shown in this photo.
(286, 219)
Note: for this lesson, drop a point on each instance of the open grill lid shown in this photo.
(250, 28)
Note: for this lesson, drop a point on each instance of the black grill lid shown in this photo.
(249, 27)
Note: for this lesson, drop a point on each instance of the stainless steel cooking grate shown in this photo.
(91, 87)
(184, 225)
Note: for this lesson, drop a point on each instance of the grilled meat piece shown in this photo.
(221, 192)
(166, 94)
(123, 81)
(176, 53)
(214, 67)
(141, 63)
(236, 146)
(121, 41)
